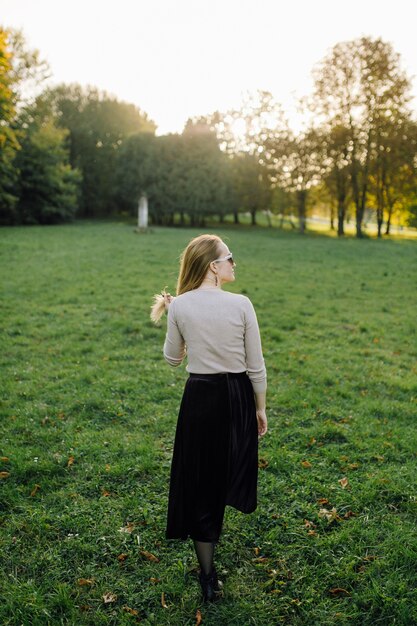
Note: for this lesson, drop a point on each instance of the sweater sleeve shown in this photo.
(254, 358)
(174, 346)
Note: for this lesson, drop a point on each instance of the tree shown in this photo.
(336, 160)
(251, 184)
(98, 124)
(296, 166)
(356, 86)
(244, 133)
(394, 167)
(9, 144)
(47, 185)
(28, 69)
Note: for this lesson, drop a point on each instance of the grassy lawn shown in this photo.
(89, 409)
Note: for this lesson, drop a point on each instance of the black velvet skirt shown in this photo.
(215, 456)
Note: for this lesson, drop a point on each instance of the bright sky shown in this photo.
(179, 58)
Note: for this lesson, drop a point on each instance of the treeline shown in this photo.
(78, 152)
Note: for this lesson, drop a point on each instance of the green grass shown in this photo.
(89, 410)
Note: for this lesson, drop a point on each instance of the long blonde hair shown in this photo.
(194, 263)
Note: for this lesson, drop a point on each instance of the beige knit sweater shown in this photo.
(218, 331)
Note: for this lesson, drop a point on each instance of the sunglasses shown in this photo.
(229, 258)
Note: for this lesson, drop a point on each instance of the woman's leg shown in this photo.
(205, 554)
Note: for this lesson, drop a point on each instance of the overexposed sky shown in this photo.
(179, 58)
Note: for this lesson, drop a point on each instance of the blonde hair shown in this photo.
(194, 263)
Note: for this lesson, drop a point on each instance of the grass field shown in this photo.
(89, 410)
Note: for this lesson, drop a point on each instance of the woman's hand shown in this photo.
(167, 299)
(262, 422)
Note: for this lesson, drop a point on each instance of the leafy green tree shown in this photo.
(98, 124)
(186, 174)
(393, 173)
(9, 144)
(357, 85)
(251, 182)
(336, 173)
(296, 166)
(48, 187)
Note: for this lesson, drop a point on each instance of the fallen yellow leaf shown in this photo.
(163, 603)
(306, 464)
(198, 618)
(129, 610)
(35, 490)
(149, 556)
(322, 501)
(343, 482)
(85, 581)
(338, 591)
(4, 474)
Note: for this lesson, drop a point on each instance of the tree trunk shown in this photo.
(253, 216)
(359, 218)
(332, 212)
(221, 218)
(301, 206)
(268, 217)
(380, 221)
(387, 229)
(340, 218)
(236, 217)
(182, 219)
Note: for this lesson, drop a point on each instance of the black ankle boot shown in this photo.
(211, 586)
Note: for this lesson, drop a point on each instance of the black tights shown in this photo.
(205, 554)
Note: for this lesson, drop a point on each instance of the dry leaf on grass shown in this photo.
(4, 459)
(83, 582)
(262, 463)
(306, 464)
(127, 529)
(322, 501)
(122, 557)
(109, 597)
(129, 610)
(149, 556)
(329, 515)
(163, 603)
(70, 461)
(155, 580)
(309, 524)
(343, 482)
(198, 618)
(35, 490)
(4, 474)
(338, 591)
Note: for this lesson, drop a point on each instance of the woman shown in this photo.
(222, 413)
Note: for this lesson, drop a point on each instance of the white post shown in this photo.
(143, 213)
